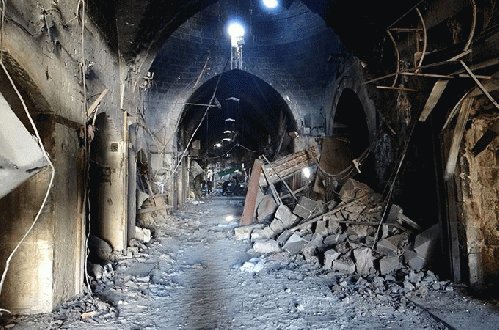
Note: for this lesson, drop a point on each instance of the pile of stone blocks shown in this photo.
(341, 235)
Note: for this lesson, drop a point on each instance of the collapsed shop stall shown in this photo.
(358, 232)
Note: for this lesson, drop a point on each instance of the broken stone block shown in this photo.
(266, 209)
(99, 248)
(308, 208)
(391, 245)
(258, 234)
(394, 213)
(266, 246)
(344, 265)
(330, 256)
(295, 244)
(416, 262)
(364, 261)
(389, 264)
(283, 237)
(141, 198)
(412, 259)
(386, 247)
(321, 228)
(353, 189)
(95, 270)
(414, 277)
(277, 226)
(244, 233)
(333, 222)
(310, 249)
(331, 205)
(142, 234)
(354, 238)
(335, 239)
(343, 247)
(287, 218)
(353, 210)
(425, 242)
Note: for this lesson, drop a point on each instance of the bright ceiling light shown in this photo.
(226, 139)
(271, 4)
(218, 145)
(235, 30)
(230, 119)
(306, 172)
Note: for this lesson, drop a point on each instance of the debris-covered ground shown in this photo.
(195, 274)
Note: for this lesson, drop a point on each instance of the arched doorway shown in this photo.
(345, 150)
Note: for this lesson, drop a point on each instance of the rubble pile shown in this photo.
(340, 235)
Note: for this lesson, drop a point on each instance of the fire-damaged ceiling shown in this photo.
(245, 112)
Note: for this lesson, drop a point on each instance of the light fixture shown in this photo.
(218, 145)
(236, 33)
(306, 172)
(270, 4)
(227, 132)
(226, 139)
(230, 119)
(229, 218)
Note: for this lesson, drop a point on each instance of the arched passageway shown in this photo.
(230, 121)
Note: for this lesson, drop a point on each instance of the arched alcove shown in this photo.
(345, 150)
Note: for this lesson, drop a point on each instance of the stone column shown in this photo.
(47, 267)
(132, 183)
(109, 179)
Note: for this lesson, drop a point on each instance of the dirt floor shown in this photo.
(195, 275)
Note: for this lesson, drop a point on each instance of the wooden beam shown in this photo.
(432, 101)
(97, 102)
(250, 201)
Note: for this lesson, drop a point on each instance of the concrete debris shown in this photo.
(330, 256)
(284, 219)
(244, 233)
(355, 190)
(308, 208)
(141, 198)
(295, 244)
(388, 265)
(341, 236)
(344, 265)
(266, 209)
(261, 233)
(254, 265)
(100, 250)
(266, 246)
(364, 261)
(284, 214)
(142, 234)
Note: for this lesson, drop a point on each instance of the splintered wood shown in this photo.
(285, 167)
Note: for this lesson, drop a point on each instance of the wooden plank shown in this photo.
(288, 165)
(432, 101)
(97, 102)
(250, 201)
(272, 187)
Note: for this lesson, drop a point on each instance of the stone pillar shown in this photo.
(47, 268)
(132, 183)
(109, 180)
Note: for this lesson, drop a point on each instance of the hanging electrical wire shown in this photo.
(45, 154)
(209, 106)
